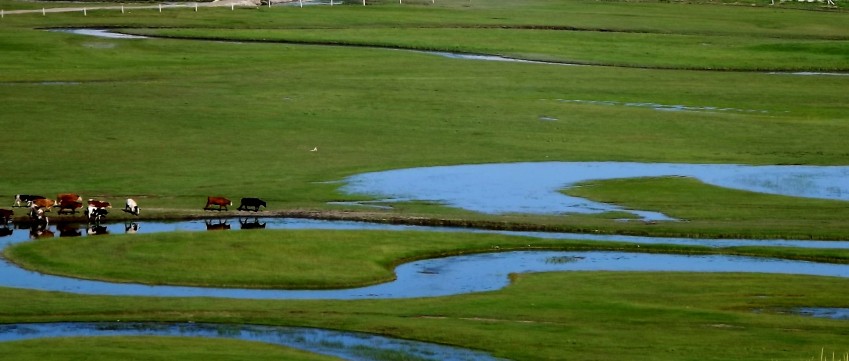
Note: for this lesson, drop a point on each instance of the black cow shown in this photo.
(251, 202)
(25, 200)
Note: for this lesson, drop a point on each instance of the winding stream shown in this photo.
(346, 345)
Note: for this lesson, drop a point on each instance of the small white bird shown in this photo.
(314, 149)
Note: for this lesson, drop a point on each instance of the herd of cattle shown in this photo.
(96, 210)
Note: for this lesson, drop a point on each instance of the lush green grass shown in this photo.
(679, 51)
(148, 349)
(300, 259)
(173, 121)
(555, 316)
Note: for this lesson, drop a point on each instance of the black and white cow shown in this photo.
(25, 200)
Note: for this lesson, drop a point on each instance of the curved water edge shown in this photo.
(345, 345)
(438, 277)
(534, 187)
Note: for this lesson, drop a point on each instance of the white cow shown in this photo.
(132, 207)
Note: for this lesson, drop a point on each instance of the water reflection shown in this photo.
(217, 225)
(254, 224)
(535, 187)
(345, 345)
(69, 229)
(825, 312)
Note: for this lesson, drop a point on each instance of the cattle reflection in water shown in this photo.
(131, 227)
(40, 230)
(97, 229)
(251, 225)
(69, 230)
(219, 225)
(5, 231)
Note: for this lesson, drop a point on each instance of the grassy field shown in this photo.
(172, 121)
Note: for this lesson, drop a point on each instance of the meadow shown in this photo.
(230, 103)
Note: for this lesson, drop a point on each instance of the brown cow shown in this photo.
(69, 206)
(98, 204)
(7, 215)
(45, 203)
(70, 197)
(221, 202)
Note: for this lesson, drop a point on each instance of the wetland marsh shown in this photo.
(171, 121)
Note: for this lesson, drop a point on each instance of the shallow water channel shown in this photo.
(346, 345)
(425, 278)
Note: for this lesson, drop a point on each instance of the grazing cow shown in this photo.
(68, 230)
(96, 214)
(221, 202)
(218, 226)
(132, 207)
(251, 225)
(69, 207)
(251, 202)
(44, 203)
(20, 199)
(7, 215)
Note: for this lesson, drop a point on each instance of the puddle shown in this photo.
(821, 312)
(492, 58)
(345, 345)
(809, 73)
(101, 33)
(663, 107)
(534, 187)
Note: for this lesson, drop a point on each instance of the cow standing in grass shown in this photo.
(251, 202)
(221, 202)
(21, 199)
(131, 207)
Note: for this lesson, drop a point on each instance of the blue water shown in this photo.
(345, 345)
(534, 188)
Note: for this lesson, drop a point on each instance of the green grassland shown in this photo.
(172, 121)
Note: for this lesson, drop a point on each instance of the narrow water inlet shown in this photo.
(345, 345)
